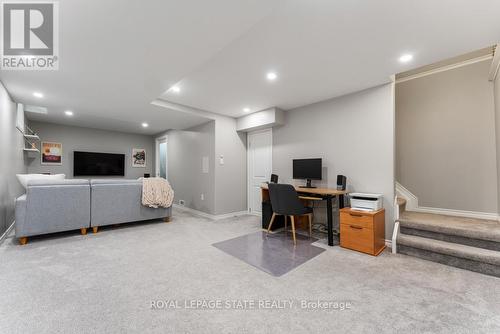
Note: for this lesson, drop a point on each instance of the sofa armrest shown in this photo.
(20, 213)
(55, 207)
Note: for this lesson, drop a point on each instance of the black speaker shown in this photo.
(341, 182)
(274, 178)
(146, 175)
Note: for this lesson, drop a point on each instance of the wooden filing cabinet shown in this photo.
(362, 231)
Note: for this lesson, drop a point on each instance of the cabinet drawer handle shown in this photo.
(356, 227)
(352, 214)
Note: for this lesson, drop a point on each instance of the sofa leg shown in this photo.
(23, 240)
(83, 231)
(166, 219)
(94, 229)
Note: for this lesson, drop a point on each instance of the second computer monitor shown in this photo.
(307, 169)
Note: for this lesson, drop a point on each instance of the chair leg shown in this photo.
(271, 222)
(310, 224)
(293, 229)
(286, 224)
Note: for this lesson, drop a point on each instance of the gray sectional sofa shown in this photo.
(119, 201)
(56, 206)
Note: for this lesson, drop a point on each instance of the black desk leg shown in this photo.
(329, 220)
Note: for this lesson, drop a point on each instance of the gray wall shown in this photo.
(354, 135)
(224, 186)
(445, 139)
(496, 87)
(12, 161)
(91, 140)
(185, 152)
(231, 177)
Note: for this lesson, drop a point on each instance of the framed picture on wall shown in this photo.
(51, 153)
(138, 157)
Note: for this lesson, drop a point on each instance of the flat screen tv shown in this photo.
(98, 164)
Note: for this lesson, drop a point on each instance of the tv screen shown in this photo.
(98, 164)
(309, 169)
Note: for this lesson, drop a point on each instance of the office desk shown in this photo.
(321, 193)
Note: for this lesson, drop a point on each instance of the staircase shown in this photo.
(467, 243)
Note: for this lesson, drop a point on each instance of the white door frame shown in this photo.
(249, 183)
(157, 155)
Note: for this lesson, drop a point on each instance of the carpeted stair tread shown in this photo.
(452, 249)
(459, 226)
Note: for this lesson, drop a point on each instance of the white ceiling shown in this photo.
(118, 56)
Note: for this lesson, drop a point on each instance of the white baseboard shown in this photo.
(208, 215)
(231, 214)
(412, 205)
(388, 243)
(458, 213)
(7, 232)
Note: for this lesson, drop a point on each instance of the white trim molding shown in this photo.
(208, 215)
(411, 200)
(458, 213)
(394, 242)
(495, 64)
(7, 232)
(445, 68)
(158, 140)
(412, 205)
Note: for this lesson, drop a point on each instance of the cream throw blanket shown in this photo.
(156, 192)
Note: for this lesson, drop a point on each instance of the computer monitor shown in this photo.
(307, 169)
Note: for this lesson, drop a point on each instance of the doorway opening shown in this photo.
(161, 158)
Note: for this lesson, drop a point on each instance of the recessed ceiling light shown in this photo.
(176, 89)
(38, 94)
(246, 109)
(145, 125)
(68, 113)
(405, 58)
(271, 76)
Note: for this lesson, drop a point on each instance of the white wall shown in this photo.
(354, 135)
(91, 140)
(12, 160)
(445, 139)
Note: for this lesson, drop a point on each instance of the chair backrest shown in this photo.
(284, 199)
(274, 178)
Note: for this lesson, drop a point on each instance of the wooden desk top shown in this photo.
(315, 191)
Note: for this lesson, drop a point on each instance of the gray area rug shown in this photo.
(274, 254)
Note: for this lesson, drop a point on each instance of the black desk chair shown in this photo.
(286, 202)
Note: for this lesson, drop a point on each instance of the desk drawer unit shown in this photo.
(362, 231)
